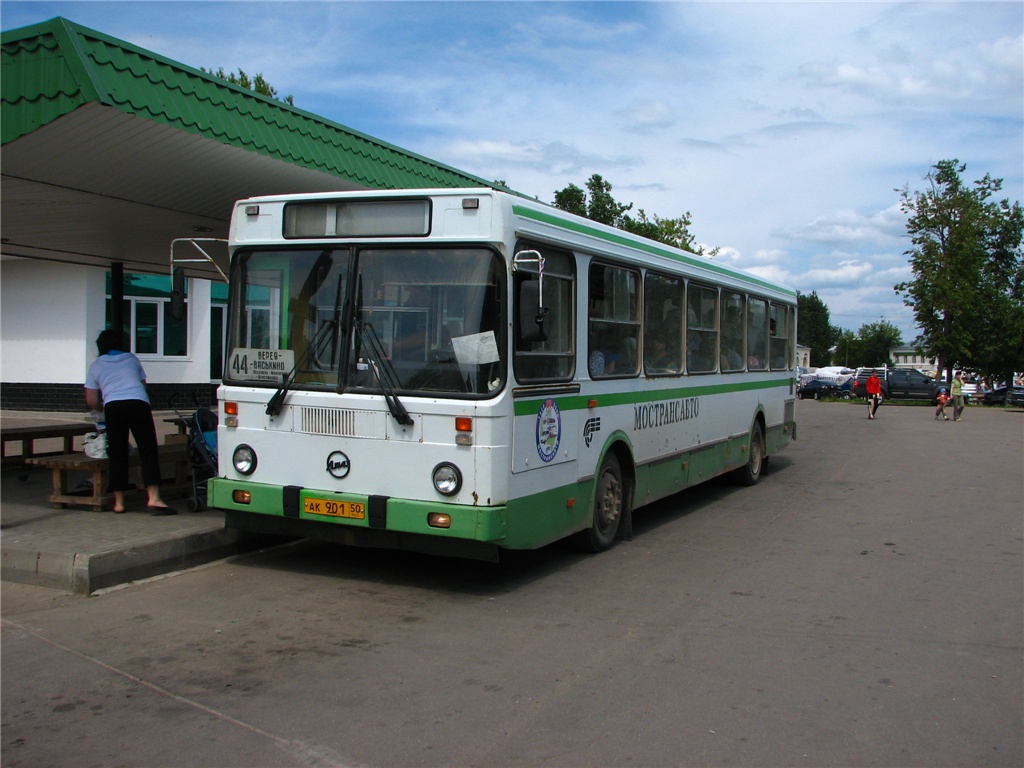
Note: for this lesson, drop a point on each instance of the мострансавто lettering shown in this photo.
(668, 412)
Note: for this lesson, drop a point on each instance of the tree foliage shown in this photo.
(815, 329)
(967, 292)
(847, 349)
(870, 347)
(876, 341)
(255, 84)
(597, 204)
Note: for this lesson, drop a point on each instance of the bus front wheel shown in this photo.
(609, 501)
(750, 472)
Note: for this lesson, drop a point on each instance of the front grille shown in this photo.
(338, 421)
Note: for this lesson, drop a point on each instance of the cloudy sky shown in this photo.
(784, 128)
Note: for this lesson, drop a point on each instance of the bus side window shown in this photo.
(779, 342)
(732, 354)
(757, 334)
(549, 358)
(614, 320)
(701, 329)
(663, 325)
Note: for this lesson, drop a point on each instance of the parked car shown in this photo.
(816, 389)
(1004, 395)
(1015, 396)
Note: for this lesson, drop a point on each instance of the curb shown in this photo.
(85, 573)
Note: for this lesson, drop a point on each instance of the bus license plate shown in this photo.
(312, 505)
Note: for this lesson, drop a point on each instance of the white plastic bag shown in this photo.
(95, 445)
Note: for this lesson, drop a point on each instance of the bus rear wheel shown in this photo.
(609, 501)
(750, 472)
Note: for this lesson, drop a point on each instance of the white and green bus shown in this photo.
(465, 371)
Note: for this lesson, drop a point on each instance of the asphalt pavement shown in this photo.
(860, 607)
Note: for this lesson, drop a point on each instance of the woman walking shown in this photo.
(957, 391)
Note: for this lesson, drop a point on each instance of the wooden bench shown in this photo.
(28, 435)
(61, 467)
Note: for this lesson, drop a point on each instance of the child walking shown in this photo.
(940, 409)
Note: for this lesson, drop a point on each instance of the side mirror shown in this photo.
(531, 314)
(178, 294)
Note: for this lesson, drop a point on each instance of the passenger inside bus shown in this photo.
(602, 362)
(658, 356)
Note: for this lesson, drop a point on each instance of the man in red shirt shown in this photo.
(873, 388)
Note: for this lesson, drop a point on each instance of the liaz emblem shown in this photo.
(338, 464)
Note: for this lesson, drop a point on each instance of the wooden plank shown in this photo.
(28, 435)
(47, 430)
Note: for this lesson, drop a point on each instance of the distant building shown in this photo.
(908, 356)
(803, 356)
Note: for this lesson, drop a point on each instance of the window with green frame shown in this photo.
(148, 326)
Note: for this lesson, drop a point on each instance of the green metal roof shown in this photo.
(53, 68)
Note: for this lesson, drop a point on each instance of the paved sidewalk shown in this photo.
(78, 550)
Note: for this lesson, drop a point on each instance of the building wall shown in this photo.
(803, 356)
(50, 316)
(44, 309)
(909, 357)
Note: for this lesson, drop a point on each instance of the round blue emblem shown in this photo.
(549, 430)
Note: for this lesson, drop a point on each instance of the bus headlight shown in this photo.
(447, 479)
(244, 459)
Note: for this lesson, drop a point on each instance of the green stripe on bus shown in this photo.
(581, 402)
(649, 247)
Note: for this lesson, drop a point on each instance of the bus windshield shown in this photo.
(305, 318)
(437, 313)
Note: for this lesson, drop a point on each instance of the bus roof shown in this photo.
(540, 220)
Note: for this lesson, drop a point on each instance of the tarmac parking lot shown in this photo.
(861, 606)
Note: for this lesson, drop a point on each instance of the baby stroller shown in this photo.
(201, 445)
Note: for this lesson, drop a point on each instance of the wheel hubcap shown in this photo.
(610, 502)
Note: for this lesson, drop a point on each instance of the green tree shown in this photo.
(998, 350)
(876, 341)
(597, 204)
(966, 292)
(255, 84)
(573, 200)
(847, 349)
(814, 329)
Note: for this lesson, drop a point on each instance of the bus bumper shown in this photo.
(357, 520)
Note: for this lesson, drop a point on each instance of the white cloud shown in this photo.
(647, 116)
(847, 227)
(553, 158)
(849, 272)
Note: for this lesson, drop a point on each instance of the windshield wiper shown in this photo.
(275, 403)
(384, 372)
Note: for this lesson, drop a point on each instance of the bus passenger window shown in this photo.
(757, 335)
(779, 344)
(614, 332)
(663, 325)
(701, 329)
(731, 358)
